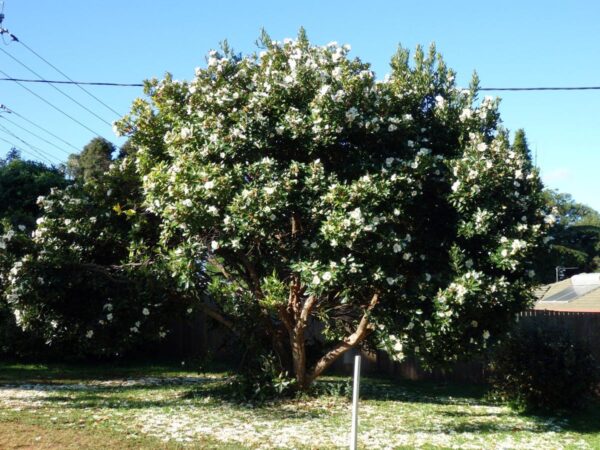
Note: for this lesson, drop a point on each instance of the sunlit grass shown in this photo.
(169, 407)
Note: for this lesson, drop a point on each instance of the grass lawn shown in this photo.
(69, 407)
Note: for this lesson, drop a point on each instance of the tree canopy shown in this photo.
(21, 183)
(92, 162)
(317, 197)
(573, 241)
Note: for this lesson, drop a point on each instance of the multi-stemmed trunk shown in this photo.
(295, 319)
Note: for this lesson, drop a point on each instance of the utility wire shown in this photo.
(115, 84)
(34, 134)
(37, 150)
(78, 83)
(12, 111)
(55, 87)
(25, 151)
(4, 31)
(562, 88)
(54, 107)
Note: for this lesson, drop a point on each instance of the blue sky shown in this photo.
(509, 43)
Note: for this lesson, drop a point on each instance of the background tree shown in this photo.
(89, 281)
(394, 211)
(573, 241)
(21, 183)
(92, 162)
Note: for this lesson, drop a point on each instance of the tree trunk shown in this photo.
(299, 357)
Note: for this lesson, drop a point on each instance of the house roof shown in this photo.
(580, 293)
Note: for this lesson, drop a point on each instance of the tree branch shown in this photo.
(214, 314)
(362, 331)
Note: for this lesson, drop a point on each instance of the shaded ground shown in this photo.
(153, 407)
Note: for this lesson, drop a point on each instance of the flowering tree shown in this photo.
(389, 210)
(88, 280)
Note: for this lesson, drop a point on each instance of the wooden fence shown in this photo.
(584, 326)
(194, 339)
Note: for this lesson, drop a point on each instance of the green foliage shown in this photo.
(87, 281)
(261, 380)
(21, 183)
(93, 161)
(398, 206)
(544, 368)
(573, 240)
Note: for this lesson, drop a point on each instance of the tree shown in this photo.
(88, 280)
(391, 211)
(21, 183)
(573, 240)
(93, 161)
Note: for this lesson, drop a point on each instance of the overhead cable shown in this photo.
(39, 127)
(55, 87)
(53, 106)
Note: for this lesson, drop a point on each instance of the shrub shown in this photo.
(543, 368)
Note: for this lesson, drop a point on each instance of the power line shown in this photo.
(37, 150)
(35, 134)
(115, 84)
(53, 106)
(24, 151)
(563, 88)
(4, 31)
(55, 87)
(39, 127)
(78, 83)
(68, 78)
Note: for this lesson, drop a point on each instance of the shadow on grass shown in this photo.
(73, 385)
(23, 373)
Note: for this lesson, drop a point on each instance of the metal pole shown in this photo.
(355, 392)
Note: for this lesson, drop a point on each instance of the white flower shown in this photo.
(327, 276)
(269, 190)
(427, 277)
(390, 280)
(469, 263)
(455, 186)
(209, 185)
(465, 114)
(486, 335)
(189, 310)
(146, 311)
(185, 133)
(187, 202)
(356, 214)
(316, 280)
(89, 334)
(397, 248)
(482, 146)
(214, 245)
(109, 317)
(21, 227)
(212, 210)
(392, 127)
(351, 114)
(474, 324)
